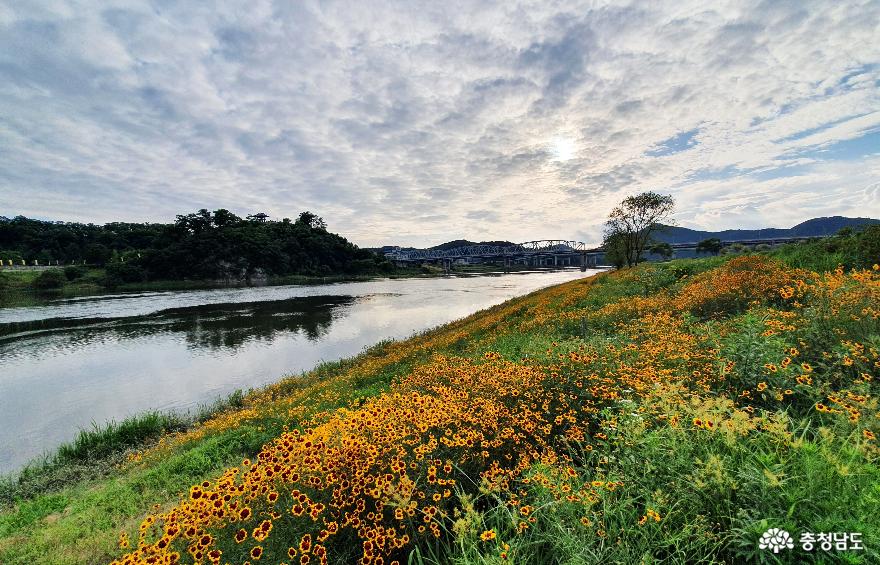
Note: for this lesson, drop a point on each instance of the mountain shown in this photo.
(675, 234)
(464, 243)
(810, 228)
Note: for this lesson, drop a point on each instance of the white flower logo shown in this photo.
(775, 539)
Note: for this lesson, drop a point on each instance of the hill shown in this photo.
(465, 243)
(810, 228)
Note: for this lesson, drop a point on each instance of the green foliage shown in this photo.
(849, 249)
(710, 245)
(50, 279)
(8, 255)
(120, 273)
(735, 249)
(73, 272)
(630, 225)
(615, 250)
(202, 245)
(714, 497)
(662, 249)
(101, 441)
(868, 246)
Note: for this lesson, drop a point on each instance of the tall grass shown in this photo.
(97, 451)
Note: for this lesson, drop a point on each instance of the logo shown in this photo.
(776, 539)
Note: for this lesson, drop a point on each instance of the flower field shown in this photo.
(669, 412)
(542, 422)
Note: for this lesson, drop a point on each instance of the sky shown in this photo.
(414, 123)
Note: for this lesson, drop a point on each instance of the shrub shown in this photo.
(869, 246)
(119, 273)
(50, 279)
(74, 272)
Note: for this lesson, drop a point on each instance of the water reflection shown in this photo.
(229, 326)
(211, 326)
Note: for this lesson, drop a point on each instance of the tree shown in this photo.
(311, 220)
(258, 218)
(662, 249)
(630, 225)
(614, 250)
(711, 245)
(97, 254)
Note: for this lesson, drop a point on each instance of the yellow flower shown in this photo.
(488, 535)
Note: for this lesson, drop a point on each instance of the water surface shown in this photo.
(72, 362)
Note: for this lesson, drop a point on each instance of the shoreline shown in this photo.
(21, 295)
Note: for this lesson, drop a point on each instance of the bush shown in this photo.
(73, 272)
(50, 279)
(869, 246)
(119, 273)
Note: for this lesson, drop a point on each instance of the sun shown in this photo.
(563, 148)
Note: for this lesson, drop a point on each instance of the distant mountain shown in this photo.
(464, 243)
(674, 234)
(810, 228)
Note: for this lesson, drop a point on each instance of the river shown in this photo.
(71, 363)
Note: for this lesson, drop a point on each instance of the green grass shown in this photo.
(715, 498)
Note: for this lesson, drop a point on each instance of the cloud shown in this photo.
(413, 123)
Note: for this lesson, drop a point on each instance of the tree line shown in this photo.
(200, 245)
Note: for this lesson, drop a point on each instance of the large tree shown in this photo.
(630, 225)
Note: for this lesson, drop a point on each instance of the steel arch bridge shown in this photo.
(526, 249)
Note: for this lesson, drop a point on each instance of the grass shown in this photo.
(99, 452)
(695, 406)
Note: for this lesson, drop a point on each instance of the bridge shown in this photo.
(545, 252)
(555, 252)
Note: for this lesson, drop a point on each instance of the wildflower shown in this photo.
(868, 434)
(488, 535)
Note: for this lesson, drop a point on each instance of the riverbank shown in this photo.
(673, 411)
(18, 288)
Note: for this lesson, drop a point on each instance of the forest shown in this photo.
(200, 245)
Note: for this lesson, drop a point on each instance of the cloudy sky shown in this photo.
(416, 123)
